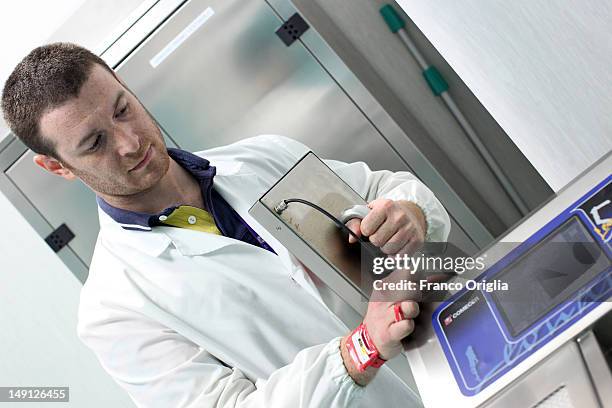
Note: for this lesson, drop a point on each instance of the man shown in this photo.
(189, 302)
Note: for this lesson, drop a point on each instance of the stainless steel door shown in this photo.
(234, 78)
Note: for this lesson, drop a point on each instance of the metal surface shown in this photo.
(540, 68)
(241, 81)
(559, 381)
(136, 29)
(15, 149)
(60, 202)
(465, 222)
(484, 152)
(598, 368)
(468, 129)
(429, 365)
(360, 38)
(310, 179)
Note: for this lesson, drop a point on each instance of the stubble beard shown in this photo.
(110, 186)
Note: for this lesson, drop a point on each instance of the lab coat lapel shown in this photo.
(241, 189)
(152, 243)
(238, 187)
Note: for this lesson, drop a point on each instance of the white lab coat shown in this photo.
(181, 318)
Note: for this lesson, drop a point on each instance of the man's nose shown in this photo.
(126, 141)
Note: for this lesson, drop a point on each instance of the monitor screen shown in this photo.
(548, 274)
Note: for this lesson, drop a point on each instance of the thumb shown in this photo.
(354, 225)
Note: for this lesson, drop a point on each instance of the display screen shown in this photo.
(548, 274)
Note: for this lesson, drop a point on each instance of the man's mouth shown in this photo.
(144, 160)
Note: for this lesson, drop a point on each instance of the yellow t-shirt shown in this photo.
(192, 218)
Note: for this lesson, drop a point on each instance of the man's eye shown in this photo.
(123, 111)
(96, 143)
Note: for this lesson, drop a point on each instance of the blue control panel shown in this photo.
(554, 279)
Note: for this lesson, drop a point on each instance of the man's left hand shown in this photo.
(396, 227)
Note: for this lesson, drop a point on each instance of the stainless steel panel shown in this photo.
(541, 68)
(598, 368)
(330, 278)
(313, 181)
(136, 28)
(233, 78)
(359, 36)
(560, 381)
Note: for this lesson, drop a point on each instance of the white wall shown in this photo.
(38, 314)
(541, 68)
(38, 295)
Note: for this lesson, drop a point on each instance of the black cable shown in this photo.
(367, 245)
(281, 207)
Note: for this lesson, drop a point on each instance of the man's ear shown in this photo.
(53, 166)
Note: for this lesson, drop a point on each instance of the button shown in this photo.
(163, 218)
(192, 219)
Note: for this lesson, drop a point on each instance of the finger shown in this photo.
(410, 309)
(411, 246)
(401, 329)
(354, 225)
(397, 242)
(383, 234)
(375, 217)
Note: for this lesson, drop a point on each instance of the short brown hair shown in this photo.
(46, 78)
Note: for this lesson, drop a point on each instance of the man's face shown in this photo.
(105, 138)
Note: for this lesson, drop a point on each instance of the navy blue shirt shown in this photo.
(227, 220)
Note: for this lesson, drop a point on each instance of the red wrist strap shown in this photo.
(362, 350)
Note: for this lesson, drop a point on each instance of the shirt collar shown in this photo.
(197, 166)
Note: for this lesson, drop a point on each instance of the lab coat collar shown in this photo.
(198, 166)
(152, 242)
(155, 241)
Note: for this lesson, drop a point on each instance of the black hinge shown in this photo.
(292, 29)
(59, 238)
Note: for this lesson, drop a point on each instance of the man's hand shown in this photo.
(385, 332)
(396, 227)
